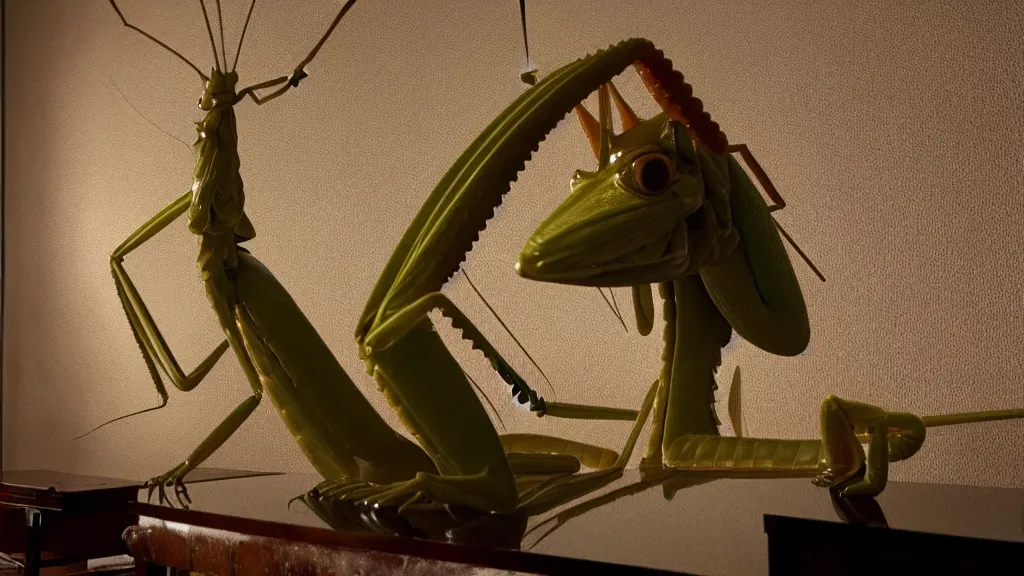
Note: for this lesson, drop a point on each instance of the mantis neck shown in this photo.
(695, 332)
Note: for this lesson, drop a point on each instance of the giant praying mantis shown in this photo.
(670, 204)
(460, 459)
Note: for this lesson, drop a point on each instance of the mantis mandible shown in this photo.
(671, 206)
(282, 355)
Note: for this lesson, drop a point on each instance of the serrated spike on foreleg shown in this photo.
(735, 405)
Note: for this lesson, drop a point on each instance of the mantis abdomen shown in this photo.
(741, 456)
(337, 428)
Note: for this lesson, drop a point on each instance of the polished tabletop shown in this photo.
(711, 527)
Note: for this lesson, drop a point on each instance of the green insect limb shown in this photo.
(333, 423)
(402, 321)
(140, 312)
(527, 445)
(643, 308)
(564, 489)
(298, 74)
(151, 342)
(427, 387)
(219, 291)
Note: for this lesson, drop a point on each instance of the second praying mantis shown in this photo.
(670, 205)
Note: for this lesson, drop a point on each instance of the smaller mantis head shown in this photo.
(624, 224)
(220, 90)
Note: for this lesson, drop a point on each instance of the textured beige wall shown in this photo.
(893, 129)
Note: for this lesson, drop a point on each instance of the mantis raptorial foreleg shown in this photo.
(401, 322)
(154, 347)
(297, 75)
(156, 341)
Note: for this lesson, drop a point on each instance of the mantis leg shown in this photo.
(399, 324)
(151, 342)
(298, 74)
(208, 446)
(841, 423)
(473, 468)
(140, 317)
(567, 488)
(223, 431)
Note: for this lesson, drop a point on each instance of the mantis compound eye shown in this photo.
(652, 173)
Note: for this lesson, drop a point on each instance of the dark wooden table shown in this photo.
(713, 527)
(50, 518)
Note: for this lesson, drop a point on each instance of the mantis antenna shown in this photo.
(242, 37)
(613, 305)
(220, 24)
(487, 398)
(151, 123)
(161, 44)
(209, 30)
(500, 321)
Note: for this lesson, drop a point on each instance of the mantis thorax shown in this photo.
(217, 194)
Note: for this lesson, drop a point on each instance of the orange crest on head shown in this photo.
(592, 127)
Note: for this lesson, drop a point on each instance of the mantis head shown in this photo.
(220, 90)
(626, 223)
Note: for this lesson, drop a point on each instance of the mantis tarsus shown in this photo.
(670, 205)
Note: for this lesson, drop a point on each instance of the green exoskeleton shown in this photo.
(320, 404)
(397, 340)
(460, 459)
(671, 206)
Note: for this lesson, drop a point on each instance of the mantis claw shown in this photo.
(824, 480)
(181, 493)
(173, 478)
(297, 76)
(373, 498)
(301, 497)
(338, 490)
